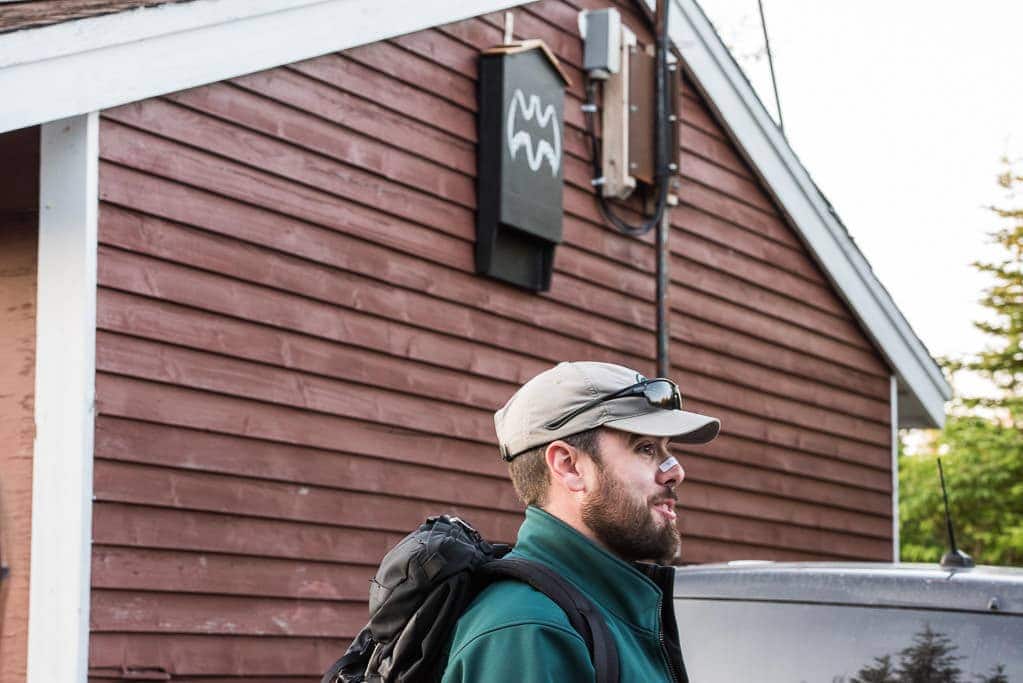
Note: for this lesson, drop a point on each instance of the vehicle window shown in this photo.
(727, 641)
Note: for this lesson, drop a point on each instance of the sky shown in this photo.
(901, 110)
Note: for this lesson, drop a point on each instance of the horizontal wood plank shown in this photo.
(183, 326)
(165, 404)
(443, 346)
(434, 297)
(728, 236)
(768, 351)
(754, 452)
(188, 327)
(147, 485)
(216, 655)
(139, 145)
(173, 365)
(393, 58)
(137, 612)
(741, 214)
(171, 446)
(702, 466)
(193, 369)
(145, 526)
(710, 147)
(338, 141)
(721, 497)
(792, 304)
(688, 303)
(392, 93)
(695, 168)
(166, 571)
(746, 530)
(705, 550)
(333, 104)
(691, 250)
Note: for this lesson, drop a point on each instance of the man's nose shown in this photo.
(670, 472)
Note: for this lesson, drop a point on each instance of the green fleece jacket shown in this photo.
(513, 633)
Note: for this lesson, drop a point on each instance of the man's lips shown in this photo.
(666, 508)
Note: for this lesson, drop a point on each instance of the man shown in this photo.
(587, 446)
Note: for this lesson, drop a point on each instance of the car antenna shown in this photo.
(954, 557)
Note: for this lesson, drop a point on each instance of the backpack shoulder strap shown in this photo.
(581, 612)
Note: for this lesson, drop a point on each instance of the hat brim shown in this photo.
(678, 425)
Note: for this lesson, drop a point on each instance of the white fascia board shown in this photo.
(727, 91)
(93, 64)
(896, 552)
(65, 389)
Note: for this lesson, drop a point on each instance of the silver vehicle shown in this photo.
(850, 623)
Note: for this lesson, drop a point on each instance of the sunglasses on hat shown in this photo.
(658, 392)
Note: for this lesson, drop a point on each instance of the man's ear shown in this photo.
(563, 463)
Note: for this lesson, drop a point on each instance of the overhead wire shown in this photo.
(770, 64)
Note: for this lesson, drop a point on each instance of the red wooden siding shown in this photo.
(296, 362)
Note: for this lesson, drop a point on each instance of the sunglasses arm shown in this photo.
(634, 390)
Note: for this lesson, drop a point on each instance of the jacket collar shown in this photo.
(610, 582)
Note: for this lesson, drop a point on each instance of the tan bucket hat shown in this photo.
(530, 418)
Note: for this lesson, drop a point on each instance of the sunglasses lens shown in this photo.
(663, 395)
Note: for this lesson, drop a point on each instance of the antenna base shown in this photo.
(956, 559)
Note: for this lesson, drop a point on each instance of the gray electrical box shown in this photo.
(603, 42)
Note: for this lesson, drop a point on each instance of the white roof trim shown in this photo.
(92, 64)
(922, 388)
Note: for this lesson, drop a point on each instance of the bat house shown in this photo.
(520, 163)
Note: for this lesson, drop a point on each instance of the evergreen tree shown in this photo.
(1003, 361)
(982, 441)
(997, 675)
(880, 672)
(929, 659)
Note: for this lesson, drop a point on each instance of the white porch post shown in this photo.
(895, 467)
(58, 626)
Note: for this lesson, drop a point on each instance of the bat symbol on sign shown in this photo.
(544, 149)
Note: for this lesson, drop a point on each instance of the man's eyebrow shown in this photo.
(635, 438)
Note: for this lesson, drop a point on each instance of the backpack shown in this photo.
(423, 585)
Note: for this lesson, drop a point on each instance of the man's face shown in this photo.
(632, 508)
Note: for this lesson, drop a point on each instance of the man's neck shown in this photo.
(571, 515)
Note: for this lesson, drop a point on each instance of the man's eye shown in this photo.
(647, 449)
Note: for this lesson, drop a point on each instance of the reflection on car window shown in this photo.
(726, 641)
(931, 658)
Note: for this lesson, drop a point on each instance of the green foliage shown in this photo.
(982, 442)
(1002, 362)
(984, 472)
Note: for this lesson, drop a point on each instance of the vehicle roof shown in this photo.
(922, 586)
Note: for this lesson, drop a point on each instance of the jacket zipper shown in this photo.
(660, 639)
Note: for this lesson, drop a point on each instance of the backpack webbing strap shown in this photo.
(582, 614)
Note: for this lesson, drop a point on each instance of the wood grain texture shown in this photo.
(173, 571)
(19, 232)
(297, 362)
(16, 16)
(212, 655)
(176, 530)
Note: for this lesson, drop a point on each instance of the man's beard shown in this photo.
(627, 526)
